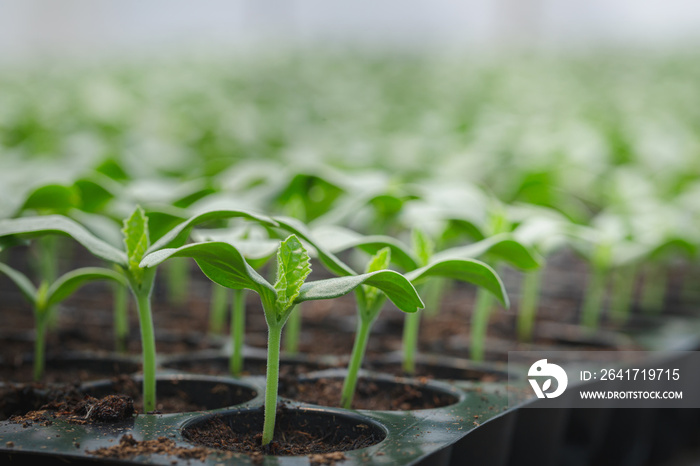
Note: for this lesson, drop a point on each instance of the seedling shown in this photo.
(257, 251)
(225, 265)
(386, 249)
(48, 295)
(140, 280)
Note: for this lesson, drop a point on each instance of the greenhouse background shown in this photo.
(527, 170)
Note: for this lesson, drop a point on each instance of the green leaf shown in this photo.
(380, 261)
(501, 246)
(68, 283)
(328, 259)
(52, 197)
(293, 266)
(58, 224)
(178, 235)
(466, 270)
(23, 283)
(136, 241)
(423, 246)
(219, 261)
(397, 288)
(337, 239)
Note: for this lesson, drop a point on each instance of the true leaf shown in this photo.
(380, 261)
(331, 262)
(136, 241)
(293, 267)
(423, 246)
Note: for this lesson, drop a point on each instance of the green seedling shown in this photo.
(543, 232)
(140, 280)
(225, 265)
(257, 251)
(385, 250)
(47, 295)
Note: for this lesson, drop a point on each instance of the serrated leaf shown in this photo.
(26, 287)
(466, 270)
(379, 261)
(293, 266)
(68, 283)
(136, 241)
(502, 246)
(423, 246)
(394, 285)
(328, 259)
(219, 261)
(58, 224)
(178, 235)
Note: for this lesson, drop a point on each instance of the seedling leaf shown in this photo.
(219, 261)
(178, 235)
(293, 266)
(58, 224)
(423, 246)
(68, 283)
(23, 283)
(331, 262)
(502, 246)
(398, 289)
(136, 241)
(380, 261)
(466, 270)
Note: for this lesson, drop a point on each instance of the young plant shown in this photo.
(386, 249)
(140, 280)
(47, 295)
(257, 250)
(224, 264)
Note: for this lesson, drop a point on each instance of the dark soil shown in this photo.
(128, 447)
(29, 404)
(369, 394)
(22, 399)
(295, 435)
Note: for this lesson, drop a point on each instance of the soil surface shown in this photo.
(369, 394)
(323, 443)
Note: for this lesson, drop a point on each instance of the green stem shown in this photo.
(292, 331)
(654, 289)
(217, 310)
(121, 317)
(40, 344)
(177, 271)
(480, 321)
(622, 293)
(273, 370)
(594, 297)
(237, 332)
(529, 300)
(411, 324)
(358, 353)
(148, 345)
